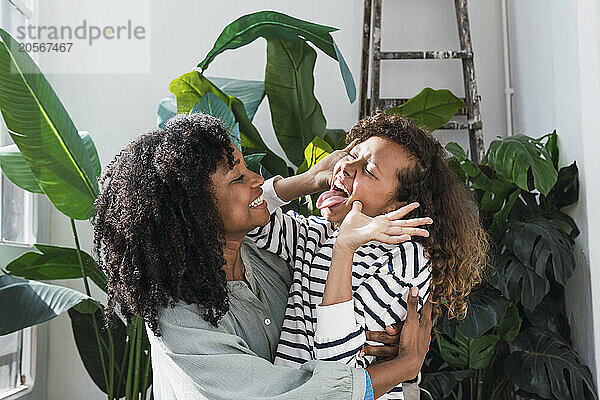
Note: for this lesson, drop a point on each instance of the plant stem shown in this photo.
(131, 345)
(479, 384)
(111, 360)
(107, 381)
(138, 357)
(499, 388)
(146, 375)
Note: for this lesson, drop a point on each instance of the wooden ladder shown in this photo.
(372, 39)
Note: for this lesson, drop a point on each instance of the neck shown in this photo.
(234, 267)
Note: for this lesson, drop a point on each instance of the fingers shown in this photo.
(382, 237)
(412, 302)
(402, 211)
(357, 206)
(392, 330)
(412, 222)
(400, 230)
(351, 145)
(426, 313)
(380, 351)
(382, 337)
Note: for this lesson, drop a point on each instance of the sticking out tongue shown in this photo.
(331, 198)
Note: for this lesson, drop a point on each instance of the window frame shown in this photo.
(29, 338)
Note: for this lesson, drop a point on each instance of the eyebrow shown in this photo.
(235, 162)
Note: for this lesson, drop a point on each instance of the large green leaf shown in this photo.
(509, 327)
(296, 114)
(430, 109)
(211, 104)
(566, 190)
(189, 89)
(314, 152)
(251, 93)
(441, 384)
(25, 303)
(253, 161)
(543, 246)
(272, 24)
(518, 282)
(17, 170)
(513, 157)
(167, 109)
(487, 308)
(549, 316)
(44, 133)
(544, 364)
(56, 263)
(84, 331)
(466, 353)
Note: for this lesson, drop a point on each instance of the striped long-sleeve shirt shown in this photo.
(382, 275)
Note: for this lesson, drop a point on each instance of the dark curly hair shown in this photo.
(457, 245)
(157, 231)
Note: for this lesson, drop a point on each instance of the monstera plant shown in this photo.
(515, 338)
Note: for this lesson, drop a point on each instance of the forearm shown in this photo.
(296, 186)
(386, 375)
(338, 287)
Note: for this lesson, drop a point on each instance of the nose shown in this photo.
(348, 169)
(257, 179)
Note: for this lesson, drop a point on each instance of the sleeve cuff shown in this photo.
(336, 320)
(270, 196)
(369, 395)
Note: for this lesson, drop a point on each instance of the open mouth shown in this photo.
(259, 202)
(338, 194)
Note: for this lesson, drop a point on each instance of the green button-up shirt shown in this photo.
(194, 360)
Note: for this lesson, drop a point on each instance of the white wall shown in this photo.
(115, 108)
(555, 51)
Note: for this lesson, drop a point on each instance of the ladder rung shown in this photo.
(422, 55)
(384, 104)
(457, 125)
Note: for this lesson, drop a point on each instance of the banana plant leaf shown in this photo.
(251, 93)
(17, 170)
(544, 364)
(514, 156)
(314, 152)
(289, 83)
(211, 104)
(55, 262)
(167, 109)
(441, 384)
(542, 246)
(518, 282)
(25, 303)
(336, 138)
(84, 332)
(487, 308)
(253, 162)
(466, 353)
(273, 24)
(44, 133)
(430, 109)
(189, 89)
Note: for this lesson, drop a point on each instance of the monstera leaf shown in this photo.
(513, 157)
(430, 109)
(55, 262)
(542, 246)
(548, 316)
(466, 353)
(545, 365)
(566, 190)
(509, 327)
(25, 303)
(487, 308)
(441, 384)
(84, 332)
(275, 25)
(518, 282)
(44, 133)
(17, 170)
(296, 114)
(189, 89)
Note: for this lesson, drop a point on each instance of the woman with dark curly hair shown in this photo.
(357, 277)
(170, 227)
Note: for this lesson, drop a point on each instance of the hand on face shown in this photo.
(358, 228)
(322, 172)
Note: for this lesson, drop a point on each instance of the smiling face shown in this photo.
(369, 174)
(239, 197)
